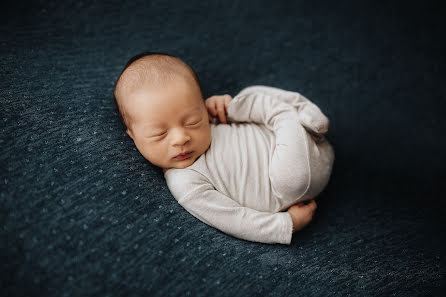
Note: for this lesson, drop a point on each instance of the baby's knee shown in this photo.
(290, 183)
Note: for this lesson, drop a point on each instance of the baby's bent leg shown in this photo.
(290, 170)
(321, 159)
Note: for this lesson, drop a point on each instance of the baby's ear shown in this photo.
(129, 133)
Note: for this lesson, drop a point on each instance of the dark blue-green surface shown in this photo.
(84, 214)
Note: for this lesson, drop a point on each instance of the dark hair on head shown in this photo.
(146, 54)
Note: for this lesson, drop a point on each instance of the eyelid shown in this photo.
(161, 134)
(194, 123)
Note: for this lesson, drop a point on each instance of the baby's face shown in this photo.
(167, 121)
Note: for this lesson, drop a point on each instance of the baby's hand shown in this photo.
(302, 214)
(218, 104)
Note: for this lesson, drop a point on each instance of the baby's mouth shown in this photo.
(183, 156)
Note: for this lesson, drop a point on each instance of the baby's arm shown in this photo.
(199, 197)
(259, 104)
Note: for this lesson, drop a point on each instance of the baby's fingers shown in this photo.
(309, 204)
(222, 107)
(211, 106)
(218, 105)
(221, 111)
(312, 204)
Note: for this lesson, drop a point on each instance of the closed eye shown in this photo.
(158, 134)
(161, 134)
(193, 124)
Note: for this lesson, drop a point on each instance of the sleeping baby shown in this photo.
(249, 166)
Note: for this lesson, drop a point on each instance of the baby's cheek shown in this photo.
(152, 150)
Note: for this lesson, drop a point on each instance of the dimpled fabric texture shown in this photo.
(84, 214)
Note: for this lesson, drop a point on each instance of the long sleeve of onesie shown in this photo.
(199, 197)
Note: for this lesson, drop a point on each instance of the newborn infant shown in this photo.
(255, 174)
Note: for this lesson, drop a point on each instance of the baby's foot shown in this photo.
(314, 119)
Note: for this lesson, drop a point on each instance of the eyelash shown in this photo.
(194, 123)
(158, 135)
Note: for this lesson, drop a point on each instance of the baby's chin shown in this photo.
(183, 164)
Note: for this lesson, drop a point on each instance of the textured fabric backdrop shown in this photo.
(84, 214)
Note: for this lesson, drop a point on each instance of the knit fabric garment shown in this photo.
(271, 155)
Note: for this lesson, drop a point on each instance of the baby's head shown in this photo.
(161, 104)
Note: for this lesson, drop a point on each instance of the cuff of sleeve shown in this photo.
(231, 109)
(287, 229)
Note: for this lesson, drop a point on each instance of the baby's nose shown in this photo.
(180, 137)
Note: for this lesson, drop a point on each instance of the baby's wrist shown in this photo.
(292, 221)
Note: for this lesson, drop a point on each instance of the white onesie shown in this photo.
(271, 155)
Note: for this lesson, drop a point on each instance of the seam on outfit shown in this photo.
(308, 162)
(199, 173)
